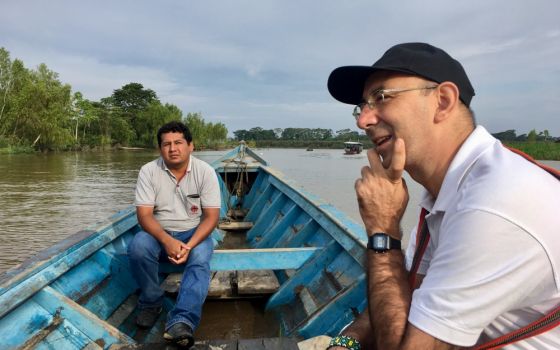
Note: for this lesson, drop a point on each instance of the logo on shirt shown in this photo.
(194, 209)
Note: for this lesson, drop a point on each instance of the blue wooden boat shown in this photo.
(79, 294)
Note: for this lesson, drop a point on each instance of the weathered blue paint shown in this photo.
(88, 323)
(288, 290)
(270, 215)
(261, 259)
(255, 259)
(339, 312)
(290, 212)
(256, 208)
(306, 227)
(255, 189)
(32, 283)
(70, 295)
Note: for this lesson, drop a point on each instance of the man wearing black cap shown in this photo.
(485, 261)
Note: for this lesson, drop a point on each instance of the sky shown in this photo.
(265, 63)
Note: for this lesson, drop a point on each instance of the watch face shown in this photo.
(380, 242)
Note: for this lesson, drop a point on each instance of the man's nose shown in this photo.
(367, 118)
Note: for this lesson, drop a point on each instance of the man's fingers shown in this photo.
(398, 160)
(374, 160)
(177, 261)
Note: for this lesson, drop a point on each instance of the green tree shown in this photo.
(131, 100)
(205, 134)
(6, 80)
(86, 115)
(14, 78)
(508, 135)
(133, 97)
(240, 134)
(217, 133)
(532, 136)
(196, 125)
(40, 109)
(152, 118)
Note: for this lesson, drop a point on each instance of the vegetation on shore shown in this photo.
(40, 113)
(539, 145)
(538, 150)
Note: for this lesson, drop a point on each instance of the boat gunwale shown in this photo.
(34, 272)
(343, 222)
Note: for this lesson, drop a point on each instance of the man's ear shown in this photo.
(448, 100)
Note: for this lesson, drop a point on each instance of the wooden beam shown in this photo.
(261, 259)
(235, 225)
(254, 259)
(257, 282)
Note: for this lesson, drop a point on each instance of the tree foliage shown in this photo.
(206, 135)
(38, 110)
(297, 134)
(533, 136)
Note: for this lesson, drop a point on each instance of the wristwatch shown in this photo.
(381, 242)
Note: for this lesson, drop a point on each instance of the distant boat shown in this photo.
(352, 147)
(80, 294)
(309, 148)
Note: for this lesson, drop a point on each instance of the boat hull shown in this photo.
(80, 292)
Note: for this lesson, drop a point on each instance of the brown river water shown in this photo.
(45, 198)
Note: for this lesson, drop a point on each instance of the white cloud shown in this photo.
(266, 63)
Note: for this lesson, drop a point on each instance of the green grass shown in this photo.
(17, 150)
(538, 150)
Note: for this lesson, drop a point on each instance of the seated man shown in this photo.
(178, 205)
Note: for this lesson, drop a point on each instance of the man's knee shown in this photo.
(143, 245)
(202, 253)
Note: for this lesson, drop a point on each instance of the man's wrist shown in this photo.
(393, 232)
(166, 238)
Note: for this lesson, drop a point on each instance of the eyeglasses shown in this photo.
(378, 97)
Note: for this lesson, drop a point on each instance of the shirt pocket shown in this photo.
(193, 206)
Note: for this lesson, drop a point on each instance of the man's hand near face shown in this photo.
(382, 193)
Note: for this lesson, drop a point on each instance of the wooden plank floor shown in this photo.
(232, 284)
(240, 344)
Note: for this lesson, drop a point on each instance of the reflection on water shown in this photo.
(48, 197)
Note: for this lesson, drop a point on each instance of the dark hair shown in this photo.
(174, 126)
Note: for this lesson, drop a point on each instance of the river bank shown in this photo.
(538, 150)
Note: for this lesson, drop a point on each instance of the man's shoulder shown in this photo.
(152, 166)
(503, 182)
(506, 168)
(199, 165)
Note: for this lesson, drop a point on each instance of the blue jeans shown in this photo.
(145, 253)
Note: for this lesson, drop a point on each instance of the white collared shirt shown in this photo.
(493, 262)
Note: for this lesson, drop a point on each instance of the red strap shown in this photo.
(543, 324)
(422, 240)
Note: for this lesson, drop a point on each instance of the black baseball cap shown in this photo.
(346, 84)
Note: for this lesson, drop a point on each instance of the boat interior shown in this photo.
(286, 264)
